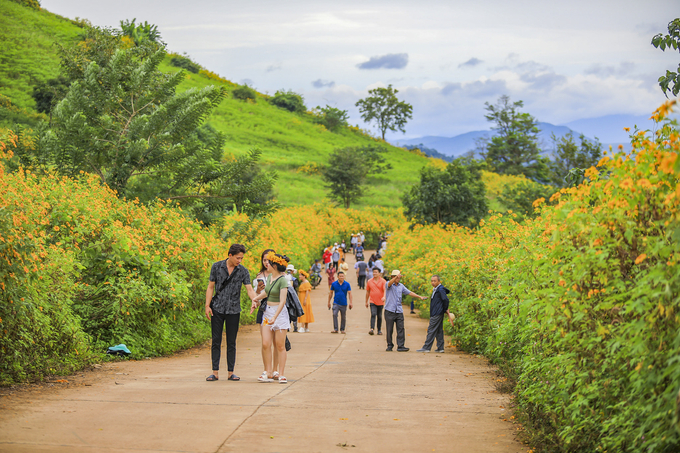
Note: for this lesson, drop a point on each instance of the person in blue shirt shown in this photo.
(340, 292)
(394, 312)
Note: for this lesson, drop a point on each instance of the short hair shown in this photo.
(376, 269)
(437, 277)
(341, 272)
(235, 249)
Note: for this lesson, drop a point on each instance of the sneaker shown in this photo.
(413, 312)
(423, 350)
(402, 349)
(441, 351)
(301, 330)
(388, 349)
(379, 333)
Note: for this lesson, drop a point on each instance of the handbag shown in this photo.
(293, 306)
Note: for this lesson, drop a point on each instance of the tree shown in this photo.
(141, 33)
(520, 198)
(124, 121)
(348, 169)
(568, 155)
(383, 107)
(331, 117)
(47, 94)
(671, 81)
(513, 150)
(289, 100)
(453, 195)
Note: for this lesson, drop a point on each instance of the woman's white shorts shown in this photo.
(280, 323)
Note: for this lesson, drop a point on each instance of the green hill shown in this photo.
(292, 145)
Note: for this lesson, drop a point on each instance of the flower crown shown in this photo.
(301, 272)
(274, 258)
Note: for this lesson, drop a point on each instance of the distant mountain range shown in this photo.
(608, 129)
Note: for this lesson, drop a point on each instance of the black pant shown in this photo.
(217, 322)
(361, 281)
(376, 312)
(335, 264)
(435, 330)
(390, 319)
(342, 309)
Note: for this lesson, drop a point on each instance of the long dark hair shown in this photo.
(280, 267)
(262, 268)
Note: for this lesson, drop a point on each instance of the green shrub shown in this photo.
(332, 118)
(35, 4)
(180, 61)
(519, 198)
(243, 93)
(289, 100)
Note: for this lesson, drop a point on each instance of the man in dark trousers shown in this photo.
(394, 312)
(439, 308)
(224, 309)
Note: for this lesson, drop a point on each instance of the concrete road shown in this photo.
(345, 392)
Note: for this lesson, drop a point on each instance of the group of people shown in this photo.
(273, 283)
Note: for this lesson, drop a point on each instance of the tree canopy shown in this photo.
(569, 155)
(454, 195)
(384, 108)
(514, 150)
(669, 83)
(348, 169)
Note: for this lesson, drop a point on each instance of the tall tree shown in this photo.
(348, 169)
(454, 195)
(514, 148)
(385, 109)
(568, 155)
(671, 81)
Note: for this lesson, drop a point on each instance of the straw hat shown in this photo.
(290, 267)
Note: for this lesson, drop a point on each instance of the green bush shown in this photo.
(289, 100)
(243, 93)
(179, 61)
(520, 198)
(332, 118)
(35, 4)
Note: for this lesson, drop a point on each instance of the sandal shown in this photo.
(233, 377)
(370, 332)
(264, 378)
(212, 377)
(275, 376)
(334, 331)
(283, 380)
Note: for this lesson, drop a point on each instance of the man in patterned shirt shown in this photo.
(225, 308)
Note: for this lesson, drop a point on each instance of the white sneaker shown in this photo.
(301, 330)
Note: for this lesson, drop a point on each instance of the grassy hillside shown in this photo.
(292, 144)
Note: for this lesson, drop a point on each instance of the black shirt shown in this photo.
(228, 301)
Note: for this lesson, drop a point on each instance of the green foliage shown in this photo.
(180, 61)
(568, 155)
(47, 94)
(332, 118)
(513, 150)
(348, 169)
(35, 4)
(520, 198)
(244, 93)
(384, 108)
(289, 100)
(141, 33)
(671, 81)
(453, 195)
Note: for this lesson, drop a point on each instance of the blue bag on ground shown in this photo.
(120, 350)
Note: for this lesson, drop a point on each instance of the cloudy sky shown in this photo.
(565, 60)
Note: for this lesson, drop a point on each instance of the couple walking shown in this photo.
(223, 308)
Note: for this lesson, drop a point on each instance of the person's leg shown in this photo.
(232, 322)
(379, 315)
(431, 331)
(401, 333)
(216, 326)
(374, 313)
(412, 305)
(440, 334)
(295, 329)
(336, 308)
(343, 317)
(389, 326)
(280, 345)
(267, 337)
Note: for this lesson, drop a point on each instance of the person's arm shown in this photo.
(368, 294)
(391, 281)
(349, 293)
(412, 294)
(208, 297)
(330, 296)
(251, 292)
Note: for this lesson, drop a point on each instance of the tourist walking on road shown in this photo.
(330, 273)
(439, 308)
(343, 266)
(336, 257)
(275, 322)
(339, 293)
(394, 312)
(304, 294)
(375, 294)
(223, 306)
(327, 257)
(362, 272)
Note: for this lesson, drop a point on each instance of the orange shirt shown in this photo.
(377, 291)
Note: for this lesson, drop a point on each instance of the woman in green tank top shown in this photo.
(275, 321)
